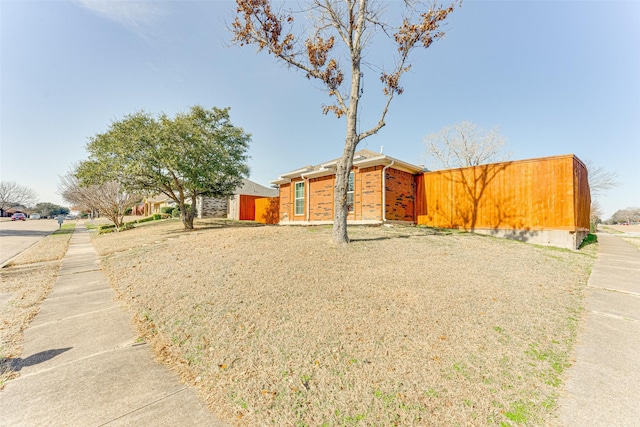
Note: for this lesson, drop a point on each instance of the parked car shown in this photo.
(34, 216)
(18, 216)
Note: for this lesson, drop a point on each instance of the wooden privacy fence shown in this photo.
(267, 210)
(537, 194)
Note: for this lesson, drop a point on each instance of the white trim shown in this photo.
(295, 198)
(296, 172)
(280, 181)
(380, 160)
(353, 193)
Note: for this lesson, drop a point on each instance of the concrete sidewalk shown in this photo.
(82, 364)
(603, 385)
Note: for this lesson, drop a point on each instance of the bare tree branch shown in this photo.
(13, 194)
(465, 144)
(353, 23)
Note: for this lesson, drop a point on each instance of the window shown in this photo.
(299, 198)
(350, 187)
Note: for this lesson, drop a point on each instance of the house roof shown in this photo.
(361, 159)
(249, 187)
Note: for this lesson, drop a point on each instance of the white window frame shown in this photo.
(351, 185)
(296, 199)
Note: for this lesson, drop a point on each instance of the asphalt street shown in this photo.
(18, 236)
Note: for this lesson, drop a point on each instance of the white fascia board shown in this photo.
(280, 181)
(296, 173)
(319, 173)
(386, 160)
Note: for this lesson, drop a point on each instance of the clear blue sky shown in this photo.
(556, 77)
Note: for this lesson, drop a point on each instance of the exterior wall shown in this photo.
(581, 195)
(367, 197)
(369, 186)
(321, 207)
(286, 209)
(399, 196)
(544, 201)
(522, 200)
(208, 207)
(267, 210)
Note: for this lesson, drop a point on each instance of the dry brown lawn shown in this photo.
(405, 326)
(24, 283)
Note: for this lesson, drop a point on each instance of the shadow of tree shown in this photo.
(474, 181)
(16, 364)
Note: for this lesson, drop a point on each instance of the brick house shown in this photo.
(381, 189)
(544, 201)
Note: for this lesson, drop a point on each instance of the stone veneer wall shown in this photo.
(208, 207)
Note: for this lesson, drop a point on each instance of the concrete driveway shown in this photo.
(17, 236)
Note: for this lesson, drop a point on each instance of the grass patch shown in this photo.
(404, 326)
(591, 239)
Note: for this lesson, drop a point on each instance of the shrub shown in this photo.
(175, 213)
(145, 219)
(167, 209)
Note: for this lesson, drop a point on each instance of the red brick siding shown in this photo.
(370, 193)
(321, 190)
(286, 210)
(400, 195)
(367, 197)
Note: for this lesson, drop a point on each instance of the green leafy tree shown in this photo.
(329, 44)
(198, 153)
(50, 209)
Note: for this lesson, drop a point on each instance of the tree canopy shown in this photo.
(197, 153)
(330, 48)
(47, 209)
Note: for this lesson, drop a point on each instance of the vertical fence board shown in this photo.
(547, 193)
(267, 210)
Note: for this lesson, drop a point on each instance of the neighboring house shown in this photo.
(14, 209)
(239, 206)
(544, 201)
(154, 204)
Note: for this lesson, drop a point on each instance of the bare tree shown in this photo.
(628, 215)
(600, 180)
(465, 144)
(109, 198)
(13, 194)
(595, 214)
(341, 27)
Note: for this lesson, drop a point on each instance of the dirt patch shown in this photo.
(404, 326)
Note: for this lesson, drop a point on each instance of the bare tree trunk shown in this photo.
(345, 164)
(340, 213)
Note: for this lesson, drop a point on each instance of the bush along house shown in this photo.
(544, 201)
